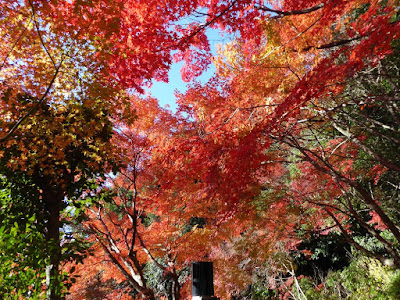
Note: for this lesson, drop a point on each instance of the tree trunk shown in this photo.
(53, 281)
(175, 288)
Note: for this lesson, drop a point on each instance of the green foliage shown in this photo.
(148, 219)
(194, 221)
(328, 252)
(67, 174)
(22, 259)
(160, 283)
(257, 292)
(364, 278)
(394, 285)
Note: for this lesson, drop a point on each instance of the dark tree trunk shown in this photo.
(53, 202)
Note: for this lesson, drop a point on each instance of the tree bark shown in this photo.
(53, 202)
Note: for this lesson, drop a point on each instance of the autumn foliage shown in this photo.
(295, 135)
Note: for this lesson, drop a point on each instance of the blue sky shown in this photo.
(164, 92)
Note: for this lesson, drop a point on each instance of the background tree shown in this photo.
(141, 231)
(54, 158)
(348, 148)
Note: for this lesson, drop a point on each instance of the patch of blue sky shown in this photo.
(165, 92)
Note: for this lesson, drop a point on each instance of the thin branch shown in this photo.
(148, 253)
(223, 124)
(131, 280)
(199, 29)
(328, 169)
(290, 40)
(35, 107)
(40, 35)
(258, 106)
(331, 44)
(15, 44)
(291, 12)
(367, 149)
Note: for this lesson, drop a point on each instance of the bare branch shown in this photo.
(331, 44)
(291, 12)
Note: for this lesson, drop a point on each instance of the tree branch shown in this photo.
(199, 29)
(35, 107)
(15, 44)
(381, 258)
(291, 12)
